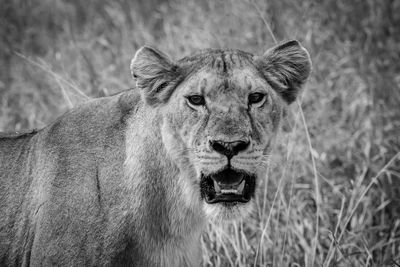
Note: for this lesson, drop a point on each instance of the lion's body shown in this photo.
(129, 180)
(65, 199)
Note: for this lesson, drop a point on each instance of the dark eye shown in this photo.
(256, 98)
(196, 100)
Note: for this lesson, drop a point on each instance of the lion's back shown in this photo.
(14, 184)
(14, 168)
(47, 172)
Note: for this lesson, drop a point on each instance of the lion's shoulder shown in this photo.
(12, 143)
(94, 124)
(94, 121)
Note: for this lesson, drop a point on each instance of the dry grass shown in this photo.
(332, 194)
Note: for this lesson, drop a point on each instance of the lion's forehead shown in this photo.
(222, 60)
(222, 73)
(226, 88)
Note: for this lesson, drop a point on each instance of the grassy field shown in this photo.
(332, 196)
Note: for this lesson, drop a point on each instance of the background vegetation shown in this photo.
(332, 197)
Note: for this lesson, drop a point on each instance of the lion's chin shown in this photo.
(221, 212)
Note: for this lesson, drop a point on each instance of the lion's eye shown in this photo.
(196, 100)
(256, 98)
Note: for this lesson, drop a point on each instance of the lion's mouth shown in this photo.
(227, 186)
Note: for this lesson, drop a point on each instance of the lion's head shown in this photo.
(221, 111)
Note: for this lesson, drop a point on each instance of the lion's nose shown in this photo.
(229, 149)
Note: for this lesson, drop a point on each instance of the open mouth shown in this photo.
(227, 186)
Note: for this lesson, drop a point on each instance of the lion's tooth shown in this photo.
(229, 191)
(241, 187)
(217, 187)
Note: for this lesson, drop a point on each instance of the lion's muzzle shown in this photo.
(229, 149)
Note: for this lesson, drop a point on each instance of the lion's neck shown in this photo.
(169, 226)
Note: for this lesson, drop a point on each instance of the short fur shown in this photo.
(115, 182)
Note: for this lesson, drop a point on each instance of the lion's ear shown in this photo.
(286, 66)
(156, 75)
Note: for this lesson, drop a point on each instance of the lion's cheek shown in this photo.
(265, 129)
(172, 140)
(176, 134)
(190, 128)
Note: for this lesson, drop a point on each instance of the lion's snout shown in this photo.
(229, 149)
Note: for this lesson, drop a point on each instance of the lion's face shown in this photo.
(221, 114)
(224, 126)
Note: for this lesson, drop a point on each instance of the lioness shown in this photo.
(130, 180)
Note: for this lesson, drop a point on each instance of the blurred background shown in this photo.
(332, 196)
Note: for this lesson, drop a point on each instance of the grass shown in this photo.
(331, 197)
